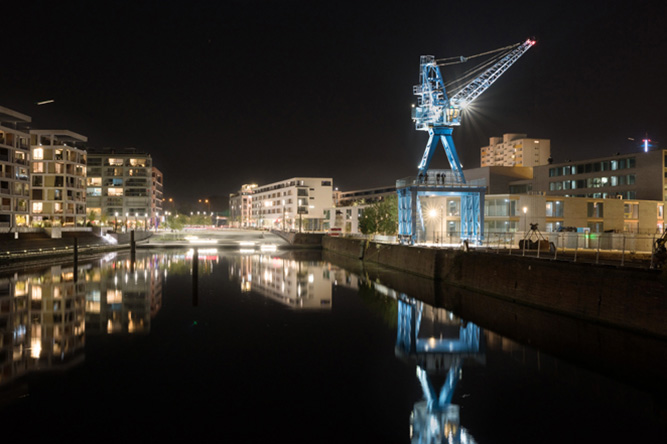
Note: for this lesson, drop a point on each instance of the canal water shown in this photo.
(288, 347)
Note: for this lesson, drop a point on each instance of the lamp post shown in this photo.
(442, 224)
(525, 210)
(433, 214)
(207, 203)
(115, 222)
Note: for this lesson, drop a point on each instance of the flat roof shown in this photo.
(9, 115)
(64, 135)
(128, 151)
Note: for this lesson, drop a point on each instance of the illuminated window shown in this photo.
(38, 154)
(94, 181)
(37, 207)
(114, 296)
(115, 191)
(38, 167)
(116, 162)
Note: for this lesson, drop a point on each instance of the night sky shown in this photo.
(223, 93)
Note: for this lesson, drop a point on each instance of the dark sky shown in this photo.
(223, 93)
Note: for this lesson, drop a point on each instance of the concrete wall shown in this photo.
(633, 299)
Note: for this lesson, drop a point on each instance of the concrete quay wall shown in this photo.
(633, 299)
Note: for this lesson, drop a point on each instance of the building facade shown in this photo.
(58, 175)
(157, 198)
(628, 176)
(515, 150)
(508, 213)
(14, 170)
(119, 187)
(240, 206)
(297, 204)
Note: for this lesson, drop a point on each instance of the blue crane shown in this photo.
(438, 113)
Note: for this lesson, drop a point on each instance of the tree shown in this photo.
(175, 222)
(381, 217)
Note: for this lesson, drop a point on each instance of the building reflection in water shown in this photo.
(42, 322)
(122, 297)
(295, 283)
(439, 343)
(44, 315)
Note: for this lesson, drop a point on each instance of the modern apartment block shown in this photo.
(58, 174)
(509, 213)
(628, 176)
(119, 186)
(14, 170)
(157, 197)
(296, 204)
(240, 206)
(515, 150)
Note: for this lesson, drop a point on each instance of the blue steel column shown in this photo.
(428, 152)
(453, 158)
(404, 212)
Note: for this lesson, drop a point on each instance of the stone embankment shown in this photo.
(38, 248)
(629, 298)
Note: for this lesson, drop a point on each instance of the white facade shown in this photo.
(296, 204)
(515, 150)
(240, 206)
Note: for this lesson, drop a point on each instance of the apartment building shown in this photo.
(14, 170)
(119, 187)
(296, 204)
(157, 197)
(58, 174)
(240, 206)
(515, 150)
(624, 176)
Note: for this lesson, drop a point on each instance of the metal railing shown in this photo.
(624, 249)
(620, 249)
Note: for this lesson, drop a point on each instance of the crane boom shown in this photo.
(435, 109)
(481, 83)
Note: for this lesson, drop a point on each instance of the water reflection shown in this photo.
(42, 327)
(121, 296)
(439, 343)
(293, 283)
(42, 322)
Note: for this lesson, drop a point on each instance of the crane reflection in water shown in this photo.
(439, 343)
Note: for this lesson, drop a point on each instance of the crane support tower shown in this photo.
(438, 114)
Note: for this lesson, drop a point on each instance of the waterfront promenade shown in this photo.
(30, 247)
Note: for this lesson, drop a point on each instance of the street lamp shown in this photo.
(442, 224)
(432, 214)
(208, 204)
(525, 210)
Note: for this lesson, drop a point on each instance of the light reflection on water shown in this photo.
(47, 315)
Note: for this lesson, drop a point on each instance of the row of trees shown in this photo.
(172, 222)
(381, 217)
